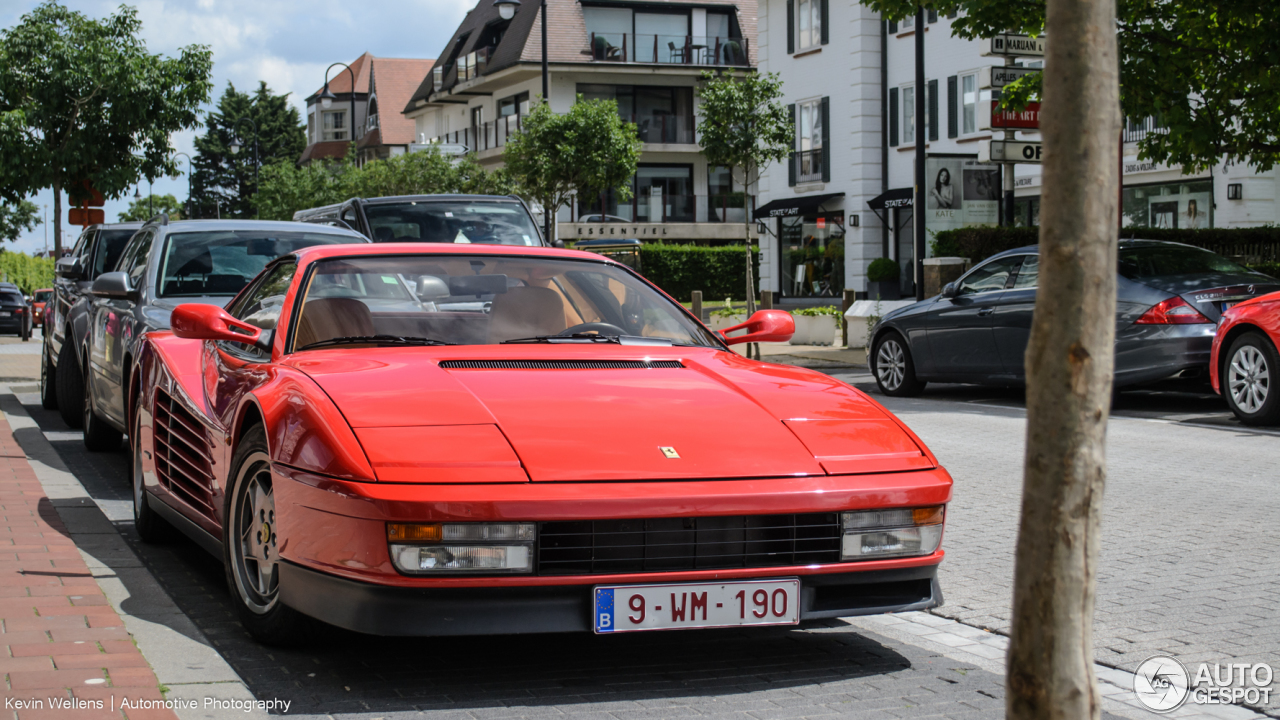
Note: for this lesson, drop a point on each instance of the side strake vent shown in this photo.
(558, 364)
(184, 464)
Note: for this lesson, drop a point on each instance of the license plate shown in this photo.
(1228, 305)
(630, 608)
(4, 313)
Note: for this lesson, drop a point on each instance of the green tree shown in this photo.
(744, 128)
(586, 151)
(1206, 71)
(82, 99)
(28, 273)
(222, 181)
(17, 218)
(142, 209)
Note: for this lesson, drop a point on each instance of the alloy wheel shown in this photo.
(1249, 379)
(891, 364)
(256, 557)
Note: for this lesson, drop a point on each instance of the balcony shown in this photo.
(473, 64)
(669, 49)
(808, 166)
(1137, 129)
(644, 208)
(671, 129)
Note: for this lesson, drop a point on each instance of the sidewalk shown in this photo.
(66, 653)
(817, 357)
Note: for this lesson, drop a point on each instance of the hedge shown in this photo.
(28, 273)
(1259, 248)
(719, 272)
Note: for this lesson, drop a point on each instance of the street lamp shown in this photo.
(327, 97)
(507, 8)
(188, 157)
(506, 11)
(235, 146)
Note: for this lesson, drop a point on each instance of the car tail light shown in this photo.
(900, 532)
(450, 548)
(1174, 311)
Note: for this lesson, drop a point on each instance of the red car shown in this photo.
(1244, 360)
(38, 300)
(467, 439)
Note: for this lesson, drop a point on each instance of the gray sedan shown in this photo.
(1169, 299)
(164, 265)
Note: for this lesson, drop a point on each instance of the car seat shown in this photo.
(328, 318)
(525, 312)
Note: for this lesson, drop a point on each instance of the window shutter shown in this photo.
(791, 26)
(791, 162)
(933, 109)
(825, 14)
(953, 120)
(951, 15)
(933, 16)
(826, 138)
(893, 26)
(893, 117)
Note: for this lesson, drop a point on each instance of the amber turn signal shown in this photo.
(927, 516)
(399, 532)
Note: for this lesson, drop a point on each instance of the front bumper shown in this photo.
(416, 611)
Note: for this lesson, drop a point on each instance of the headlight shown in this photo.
(900, 532)
(449, 548)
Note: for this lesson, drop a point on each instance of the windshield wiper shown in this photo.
(376, 340)
(575, 337)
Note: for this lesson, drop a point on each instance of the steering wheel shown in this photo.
(599, 327)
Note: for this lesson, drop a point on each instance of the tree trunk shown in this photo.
(1069, 364)
(57, 220)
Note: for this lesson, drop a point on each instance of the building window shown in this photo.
(660, 114)
(335, 125)
(908, 23)
(810, 23)
(659, 193)
(908, 115)
(311, 127)
(809, 141)
(969, 103)
(514, 105)
(1174, 205)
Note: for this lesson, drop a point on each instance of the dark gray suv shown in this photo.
(165, 265)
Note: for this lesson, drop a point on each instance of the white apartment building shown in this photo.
(846, 197)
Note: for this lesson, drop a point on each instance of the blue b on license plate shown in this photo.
(675, 606)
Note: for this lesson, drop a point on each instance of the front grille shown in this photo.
(559, 364)
(594, 547)
(184, 464)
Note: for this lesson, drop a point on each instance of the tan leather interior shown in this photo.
(525, 312)
(328, 318)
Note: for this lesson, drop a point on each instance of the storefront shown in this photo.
(810, 232)
(894, 208)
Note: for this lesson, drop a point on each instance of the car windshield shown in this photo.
(12, 297)
(222, 262)
(489, 223)
(1145, 263)
(43, 295)
(110, 245)
(485, 300)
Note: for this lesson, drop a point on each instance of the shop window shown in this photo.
(1171, 205)
(812, 255)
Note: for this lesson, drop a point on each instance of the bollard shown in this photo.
(766, 300)
(696, 304)
(850, 296)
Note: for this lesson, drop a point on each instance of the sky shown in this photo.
(287, 44)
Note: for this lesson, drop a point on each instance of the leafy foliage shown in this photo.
(681, 269)
(83, 99)
(822, 311)
(17, 218)
(28, 273)
(143, 209)
(287, 188)
(883, 270)
(587, 151)
(1204, 70)
(222, 181)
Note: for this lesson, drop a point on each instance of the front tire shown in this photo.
(48, 384)
(1252, 363)
(893, 366)
(251, 546)
(150, 526)
(70, 385)
(98, 435)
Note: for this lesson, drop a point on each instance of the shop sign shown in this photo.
(961, 192)
(1010, 151)
(1015, 46)
(990, 117)
(653, 231)
(998, 76)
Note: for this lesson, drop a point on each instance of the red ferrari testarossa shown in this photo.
(422, 439)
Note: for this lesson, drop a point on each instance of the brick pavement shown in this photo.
(62, 644)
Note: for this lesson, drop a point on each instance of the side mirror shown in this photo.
(114, 285)
(764, 326)
(431, 288)
(951, 290)
(68, 268)
(196, 321)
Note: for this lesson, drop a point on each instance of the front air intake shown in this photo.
(558, 364)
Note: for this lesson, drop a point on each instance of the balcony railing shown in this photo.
(649, 208)
(808, 166)
(473, 64)
(668, 49)
(494, 134)
(1136, 130)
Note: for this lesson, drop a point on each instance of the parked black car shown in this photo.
(1169, 299)
(480, 219)
(165, 265)
(15, 312)
(66, 320)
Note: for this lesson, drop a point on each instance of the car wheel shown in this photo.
(150, 526)
(1251, 365)
(70, 386)
(98, 435)
(48, 385)
(250, 546)
(893, 367)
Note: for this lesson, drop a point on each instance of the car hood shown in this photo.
(709, 415)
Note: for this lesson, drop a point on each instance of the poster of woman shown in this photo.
(942, 195)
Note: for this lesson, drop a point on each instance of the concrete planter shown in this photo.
(719, 322)
(814, 330)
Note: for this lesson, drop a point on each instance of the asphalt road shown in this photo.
(1186, 568)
